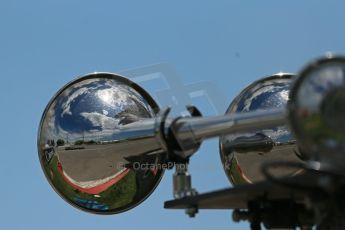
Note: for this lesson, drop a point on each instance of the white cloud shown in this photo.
(101, 120)
(66, 106)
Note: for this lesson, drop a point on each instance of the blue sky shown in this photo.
(45, 44)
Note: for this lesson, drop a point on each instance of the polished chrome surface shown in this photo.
(243, 153)
(98, 144)
(318, 110)
(189, 132)
(208, 127)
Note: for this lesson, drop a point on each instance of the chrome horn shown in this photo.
(243, 153)
(86, 143)
(104, 144)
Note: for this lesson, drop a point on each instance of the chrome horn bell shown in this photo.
(86, 145)
(243, 153)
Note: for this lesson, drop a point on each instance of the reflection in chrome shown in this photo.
(243, 153)
(318, 110)
(86, 142)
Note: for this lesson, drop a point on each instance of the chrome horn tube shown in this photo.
(194, 130)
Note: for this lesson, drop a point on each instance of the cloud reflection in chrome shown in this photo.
(82, 150)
